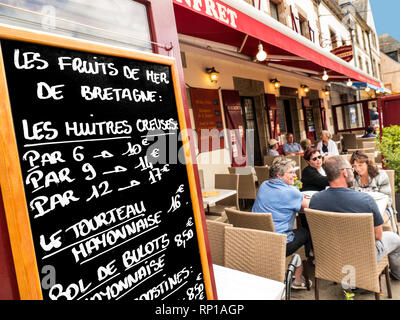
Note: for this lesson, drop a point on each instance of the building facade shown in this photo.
(225, 39)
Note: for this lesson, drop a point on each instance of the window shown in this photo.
(394, 55)
(367, 66)
(122, 22)
(304, 28)
(373, 35)
(333, 37)
(374, 68)
(360, 63)
(274, 10)
(364, 36)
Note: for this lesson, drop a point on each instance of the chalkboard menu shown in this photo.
(106, 185)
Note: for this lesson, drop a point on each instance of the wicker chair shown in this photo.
(216, 238)
(268, 160)
(257, 252)
(250, 220)
(247, 189)
(226, 181)
(369, 144)
(349, 141)
(391, 175)
(343, 240)
(361, 141)
(262, 174)
(365, 150)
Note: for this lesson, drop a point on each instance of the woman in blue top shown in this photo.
(279, 197)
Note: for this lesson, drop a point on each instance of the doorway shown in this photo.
(250, 123)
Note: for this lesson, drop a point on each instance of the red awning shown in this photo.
(215, 20)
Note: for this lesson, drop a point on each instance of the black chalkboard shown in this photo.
(106, 186)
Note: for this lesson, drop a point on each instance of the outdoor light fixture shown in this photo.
(275, 82)
(261, 54)
(325, 77)
(349, 83)
(326, 91)
(213, 74)
(305, 88)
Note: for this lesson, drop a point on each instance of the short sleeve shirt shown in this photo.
(275, 196)
(347, 201)
(272, 152)
(295, 147)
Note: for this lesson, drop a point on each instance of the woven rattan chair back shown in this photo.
(231, 182)
(391, 175)
(262, 174)
(261, 253)
(250, 220)
(216, 239)
(268, 160)
(344, 243)
(361, 141)
(247, 187)
(369, 144)
(349, 141)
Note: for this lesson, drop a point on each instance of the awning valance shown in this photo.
(238, 24)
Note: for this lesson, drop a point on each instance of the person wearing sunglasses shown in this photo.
(313, 177)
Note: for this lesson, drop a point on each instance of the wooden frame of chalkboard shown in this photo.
(16, 183)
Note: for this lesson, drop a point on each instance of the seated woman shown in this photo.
(279, 197)
(305, 144)
(327, 145)
(273, 148)
(368, 177)
(313, 177)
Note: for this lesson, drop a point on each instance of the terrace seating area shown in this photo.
(248, 241)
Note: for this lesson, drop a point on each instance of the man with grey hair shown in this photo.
(279, 197)
(339, 198)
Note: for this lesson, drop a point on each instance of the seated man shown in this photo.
(369, 133)
(339, 198)
(291, 147)
(279, 197)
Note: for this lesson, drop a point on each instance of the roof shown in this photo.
(387, 43)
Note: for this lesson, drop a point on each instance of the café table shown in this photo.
(237, 285)
(211, 200)
(380, 199)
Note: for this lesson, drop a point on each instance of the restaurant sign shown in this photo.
(344, 52)
(212, 8)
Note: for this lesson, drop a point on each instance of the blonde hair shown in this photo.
(327, 134)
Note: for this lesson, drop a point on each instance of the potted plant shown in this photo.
(389, 146)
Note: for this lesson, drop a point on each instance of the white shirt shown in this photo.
(332, 148)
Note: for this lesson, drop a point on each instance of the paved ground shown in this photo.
(330, 291)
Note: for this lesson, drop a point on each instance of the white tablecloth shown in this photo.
(223, 193)
(236, 285)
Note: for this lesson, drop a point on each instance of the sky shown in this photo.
(386, 17)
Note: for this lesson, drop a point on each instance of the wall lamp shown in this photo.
(275, 82)
(305, 88)
(213, 74)
(326, 91)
